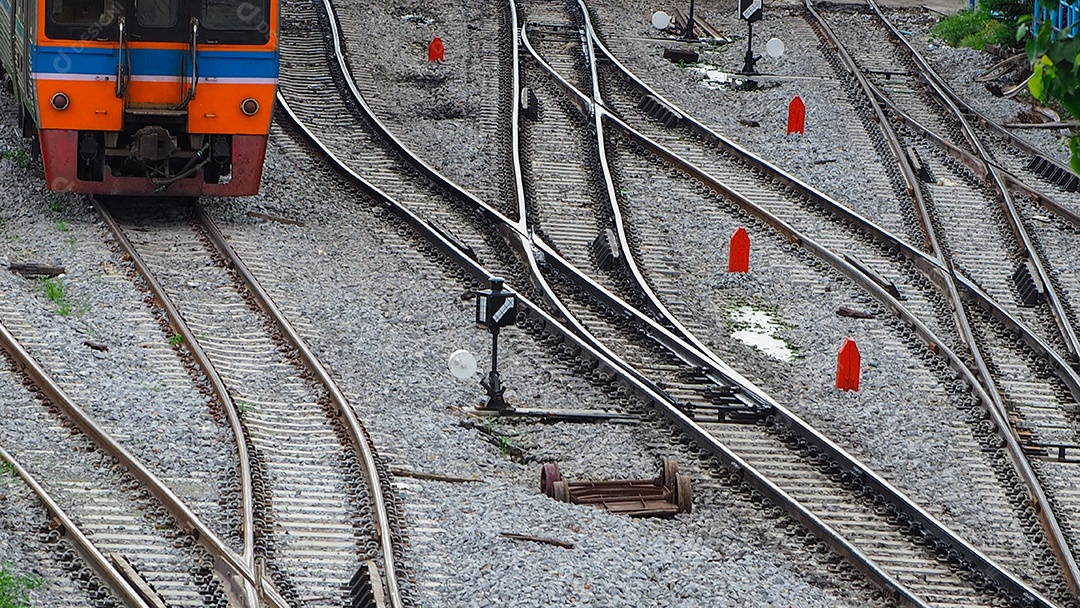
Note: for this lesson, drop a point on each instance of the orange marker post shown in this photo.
(796, 116)
(435, 50)
(848, 366)
(739, 251)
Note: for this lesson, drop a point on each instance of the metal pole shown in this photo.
(493, 385)
(689, 34)
(495, 352)
(748, 65)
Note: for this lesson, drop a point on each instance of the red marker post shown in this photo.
(739, 251)
(848, 366)
(435, 50)
(796, 116)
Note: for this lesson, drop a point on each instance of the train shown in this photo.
(144, 97)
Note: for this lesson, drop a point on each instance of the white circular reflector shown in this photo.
(774, 47)
(661, 20)
(462, 364)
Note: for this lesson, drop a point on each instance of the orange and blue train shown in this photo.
(137, 97)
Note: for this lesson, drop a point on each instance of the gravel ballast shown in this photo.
(385, 320)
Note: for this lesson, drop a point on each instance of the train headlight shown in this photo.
(60, 101)
(249, 106)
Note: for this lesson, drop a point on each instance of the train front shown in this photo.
(155, 96)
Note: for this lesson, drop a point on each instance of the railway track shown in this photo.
(994, 334)
(321, 529)
(465, 91)
(138, 538)
(77, 570)
(984, 237)
(315, 81)
(1040, 409)
(1002, 499)
(452, 249)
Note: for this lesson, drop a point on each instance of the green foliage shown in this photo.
(54, 291)
(62, 226)
(21, 157)
(1008, 10)
(243, 408)
(56, 204)
(1055, 65)
(7, 470)
(15, 587)
(974, 29)
(176, 340)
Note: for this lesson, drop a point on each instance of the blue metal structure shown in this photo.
(1065, 20)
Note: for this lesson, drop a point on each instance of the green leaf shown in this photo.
(1035, 84)
(1036, 47)
(1021, 31)
(1074, 148)
(1063, 50)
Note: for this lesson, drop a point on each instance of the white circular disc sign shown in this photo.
(462, 364)
(774, 47)
(661, 20)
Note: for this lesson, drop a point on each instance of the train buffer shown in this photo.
(665, 495)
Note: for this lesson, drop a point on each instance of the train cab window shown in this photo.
(81, 12)
(230, 21)
(157, 13)
(81, 19)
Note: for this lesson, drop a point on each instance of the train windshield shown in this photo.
(238, 16)
(236, 22)
(86, 13)
(157, 13)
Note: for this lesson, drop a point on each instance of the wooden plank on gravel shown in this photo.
(32, 269)
(538, 539)
(433, 476)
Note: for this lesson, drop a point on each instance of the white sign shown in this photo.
(749, 8)
(774, 47)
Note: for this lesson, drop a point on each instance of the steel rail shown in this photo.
(423, 167)
(1057, 310)
(609, 362)
(585, 106)
(1041, 504)
(946, 279)
(1017, 587)
(344, 410)
(590, 108)
(628, 257)
(1044, 511)
(992, 125)
(910, 181)
(202, 360)
(523, 238)
(517, 233)
(70, 530)
(981, 167)
(227, 563)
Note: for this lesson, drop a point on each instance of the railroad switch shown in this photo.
(874, 276)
